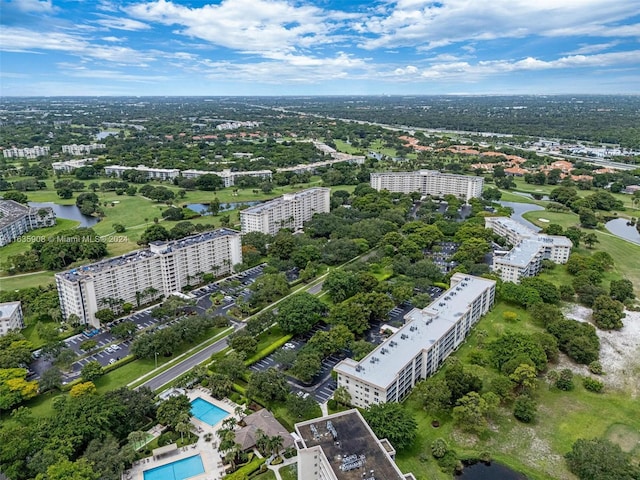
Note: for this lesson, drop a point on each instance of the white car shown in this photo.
(115, 347)
(289, 346)
(112, 361)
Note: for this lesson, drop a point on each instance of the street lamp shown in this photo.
(156, 355)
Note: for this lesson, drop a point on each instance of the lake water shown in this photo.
(69, 212)
(519, 209)
(620, 228)
(492, 471)
(224, 207)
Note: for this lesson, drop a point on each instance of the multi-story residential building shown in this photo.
(289, 211)
(529, 249)
(152, 173)
(82, 149)
(70, 165)
(420, 346)
(228, 177)
(17, 219)
(342, 446)
(429, 182)
(33, 152)
(10, 317)
(143, 275)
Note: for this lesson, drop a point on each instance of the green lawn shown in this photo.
(26, 280)
(535, 449)
(625, 254)
(290, 472)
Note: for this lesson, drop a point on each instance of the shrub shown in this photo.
(595, 367)
(565, 380)
(332, 404)
(524, 409)
(439, 448)
(592, 384)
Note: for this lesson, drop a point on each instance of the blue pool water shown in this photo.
(207, 412)
(179, 470)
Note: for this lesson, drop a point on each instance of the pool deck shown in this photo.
(211, 458)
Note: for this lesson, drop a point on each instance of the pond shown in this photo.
(491, 471)
(620, 229)
(224, 207)
(69, 212)
(519, 209)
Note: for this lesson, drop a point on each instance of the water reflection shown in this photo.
(69, 212)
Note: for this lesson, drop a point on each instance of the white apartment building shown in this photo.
(429, 182)
(420, 346)
(11, 317)
(82, 149)
(342, 446)
(33, 152)
(70, 165)
(228, 177)
(17, 219)
(163, 268)
(289, 211)
(151, 173)
(530, 248)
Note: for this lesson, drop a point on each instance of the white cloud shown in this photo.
(30, 6)
(423, 23)
(118, 23)
(114, 39)
(252, 26)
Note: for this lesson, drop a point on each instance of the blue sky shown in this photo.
(319, 47)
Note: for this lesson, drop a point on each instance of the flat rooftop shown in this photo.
(7, 309)
(516, 227)
(422, 329)
(288, 197)
(85, 271)
(522, 254)
(350, 446)
(10, 211)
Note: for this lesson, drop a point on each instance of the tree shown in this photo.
(524, 409)
(590, 239)
(391, 421)
(588, 218)
(621, 290)
(243, 343)
(154, 233)
(565, 380)
(220, 384)
(307, 365)
(470, 412)
(124, 330)
(600, 459)
(303, 408)
(340, 285)
(214, 207)
(183, 426)
(16, 196)
(231, 365)
(50, 379)
(91, 371)
(209, 182)
(105, 315)
(342, 396)
(300, 312)
(14, 388)
(173, 409)
(68, 470)
(435, 395)
(608, 313)
(269, 385)
(460, 382)
(525, 377)
(82, 389)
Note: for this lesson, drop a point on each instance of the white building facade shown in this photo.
(420, 347)
(17, 219)
(529, 249)
(33, 152)
(70, 165)
(151, 173)
(11, 317)
(144, 275)
(429, 182)
(228, 177)
(289, 211)
(82, 149)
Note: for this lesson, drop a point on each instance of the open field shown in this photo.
(25, 280)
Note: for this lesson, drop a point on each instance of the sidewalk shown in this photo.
(276, 468)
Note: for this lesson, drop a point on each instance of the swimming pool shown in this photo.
(207, 412)
(178, 470)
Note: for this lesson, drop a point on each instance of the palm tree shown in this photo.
(275, 444)
(239, 411)
(262, 441)
(229, 423)
(183, 426)
(136, 439)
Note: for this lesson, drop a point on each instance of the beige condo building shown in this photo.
(144, 275)
(429, 182)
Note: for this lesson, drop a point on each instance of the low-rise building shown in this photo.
(420, 347)
(33, 152)
(429, 182)
(151, 173)
(69, 166)
(342, 446)
(529, 249)
(17, 219)
(82, 149)
(289, 211)
(11, 317)
(144, 275)
(228, 177)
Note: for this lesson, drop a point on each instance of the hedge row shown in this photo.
(267, 350)
(243, 472)
(106, 369)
